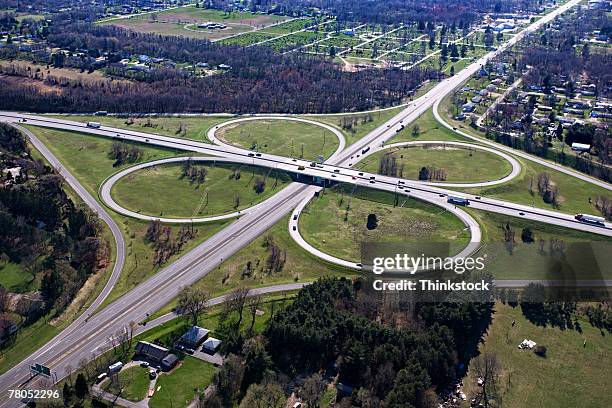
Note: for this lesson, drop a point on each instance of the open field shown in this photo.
(461, 164)
(531, 261)
(572, 374)
(164, 191)
(281, 137)
(178, 388)
(184, 22)
(327, 224)
(187, 127)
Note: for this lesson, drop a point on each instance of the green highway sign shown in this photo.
(41, 369)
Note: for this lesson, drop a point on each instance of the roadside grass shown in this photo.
(163, 191)
(460, 164)
(574, 193)
(193, 128)
(300, 266)
(570, 375)
(327, 225)
(133, 380)
(179, 387)
(281, 137)
(428, 129)
(359, 124)
(33, 336)
(588, 256)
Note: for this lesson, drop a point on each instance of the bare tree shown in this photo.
(192, 302)
(488, 368)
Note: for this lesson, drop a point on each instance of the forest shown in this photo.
(259, 80)
(396, 353)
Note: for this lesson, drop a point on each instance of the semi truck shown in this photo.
(590, 219)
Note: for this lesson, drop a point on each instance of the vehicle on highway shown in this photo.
(301, 168)
(313, 164)
(372, 182)
(294, 217)
(94, 125)
(591, 219)
(458, 200)
(251, 154)
(258, 154)
(364, 151)
(336, 171)
(521, 213)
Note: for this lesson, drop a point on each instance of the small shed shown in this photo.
(169, 362)
(211, 345)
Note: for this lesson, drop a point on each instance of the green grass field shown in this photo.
(326, 224)
(178, 388)
(194, 128)
(14, 279)
(528, 262)
(134, 381)
(162, 191)
(281, 137)
(461, 165)
(571, 374)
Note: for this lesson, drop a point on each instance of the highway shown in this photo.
(91, 336)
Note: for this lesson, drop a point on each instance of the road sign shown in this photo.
(41, 369)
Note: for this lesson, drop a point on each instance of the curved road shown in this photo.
(107, 185)
(516, 166)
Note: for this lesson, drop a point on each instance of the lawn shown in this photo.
(327, 225)
(528, 261)
(572, 374)
(281, 137)
(460, 164)
(163, 191)
(194, 128)
(14, 279)
(178, 388)
(134, 381)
